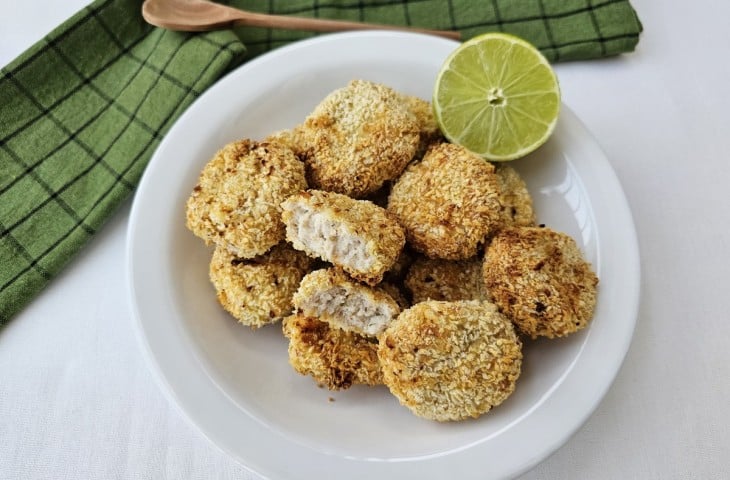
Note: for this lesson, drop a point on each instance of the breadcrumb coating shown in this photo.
(428, 127)
(335, 358)
(333, 297)
(236, 202)
(286, 137)
(358, 137)
(514, 198)
(539, 278)
(446, 280)
(448, 202)
(450, 360)
(259, 290)
(355, 235)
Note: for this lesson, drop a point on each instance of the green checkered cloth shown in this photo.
(82, 111)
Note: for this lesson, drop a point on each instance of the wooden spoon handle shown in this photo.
(253, 19)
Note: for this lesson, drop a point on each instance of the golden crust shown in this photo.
(514, 198)
(446, 280)
(335, 358)
(333, 297)
(539, 278)
(448, 202)
(428, 127)
(363, 223)
(236, 202)
(450, 360)
(358, 137)
(258, 291)
(286, 137)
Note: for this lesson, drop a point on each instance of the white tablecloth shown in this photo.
(77, 399)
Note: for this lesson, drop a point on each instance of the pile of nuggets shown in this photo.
(391, 256)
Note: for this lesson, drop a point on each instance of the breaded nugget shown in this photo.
(429, 129)
(539, 278)
(448, 202)
(447, 280)
(259, 290)
(236, 202)
(450, 360)
(335, 298)
(335, 358)
(358, 137)
(355, 235)
(514, 198)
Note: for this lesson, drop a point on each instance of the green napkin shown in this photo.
(562, 29)
(82, 111)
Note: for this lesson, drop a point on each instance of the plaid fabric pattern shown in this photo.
(82, 111)
(562, 29)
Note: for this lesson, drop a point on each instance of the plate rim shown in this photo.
(173, 392)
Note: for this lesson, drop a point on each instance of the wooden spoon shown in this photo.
(202, 15)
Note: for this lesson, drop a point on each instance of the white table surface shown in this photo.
(78, 401)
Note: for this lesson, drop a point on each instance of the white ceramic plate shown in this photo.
(235, 384)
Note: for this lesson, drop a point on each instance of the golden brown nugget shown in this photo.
(539, 278)
(335, 358)
(335, 298)
(355, 235)
(236, 202)
(448, 202)
(259, 290)
(514, 198)
(358, 137)
(450, 360)
(446, 280)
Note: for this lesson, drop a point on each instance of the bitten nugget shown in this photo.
(447, 280)
(236, 202)
(514, 198)
(358, 137)
(448, 202)
(450, 360)
(539, 278)
(334, 358)
(259, 290)
(356, 235)
(333, 297)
